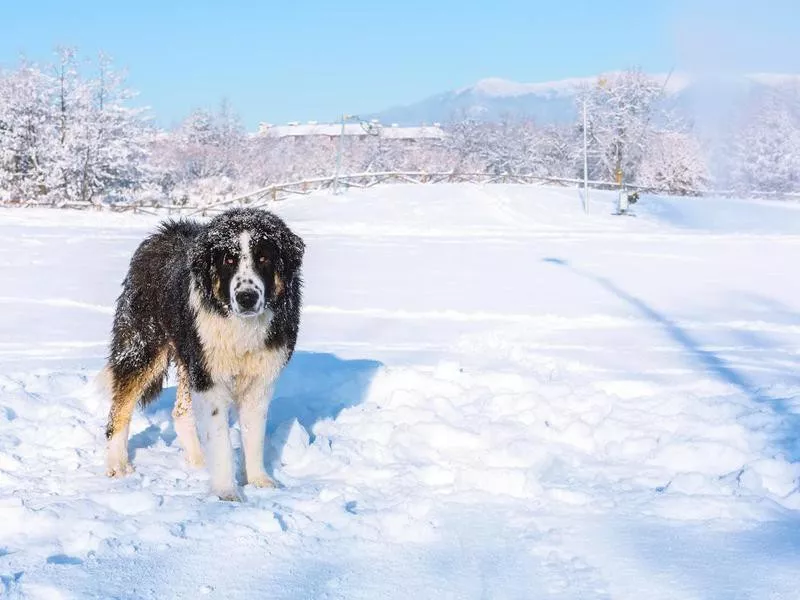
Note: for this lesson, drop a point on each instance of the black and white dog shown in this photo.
(221, 300)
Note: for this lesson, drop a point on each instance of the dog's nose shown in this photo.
(247, 299)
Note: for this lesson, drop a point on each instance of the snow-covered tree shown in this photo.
(766, 148)
(466, 141)
(675, 162)
(206, 151)
(118, 140)
(509, 147)
(619, 109)
(28, 133)
(67, 138)
(558, 152)
(103, 143)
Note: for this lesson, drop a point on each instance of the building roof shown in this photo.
(351, 129)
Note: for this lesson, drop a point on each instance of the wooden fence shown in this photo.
(280, 191)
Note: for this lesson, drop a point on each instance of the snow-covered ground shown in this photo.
(494, 396)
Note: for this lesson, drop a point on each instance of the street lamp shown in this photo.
(345, 118)
(369, 128)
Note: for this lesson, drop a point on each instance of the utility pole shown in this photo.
(585, 162)
(339, 155)
(371, 128)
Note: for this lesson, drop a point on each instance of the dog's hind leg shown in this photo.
(183, 416)
(129, 386)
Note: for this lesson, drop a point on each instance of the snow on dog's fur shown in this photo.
(221, 300)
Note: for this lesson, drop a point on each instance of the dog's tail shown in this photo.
(103, 382)
(97, 391)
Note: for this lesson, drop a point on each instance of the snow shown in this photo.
(351, 129)
(674, 83)
(494, 395)
(499, 88)
(423, 132)
(775, 79)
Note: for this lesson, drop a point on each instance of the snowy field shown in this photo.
(494, 396)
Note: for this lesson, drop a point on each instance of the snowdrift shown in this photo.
(495, 395)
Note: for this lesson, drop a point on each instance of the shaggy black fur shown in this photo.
(153, 313)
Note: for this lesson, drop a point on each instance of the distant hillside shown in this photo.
(554, 102)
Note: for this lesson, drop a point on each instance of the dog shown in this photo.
(222, 301)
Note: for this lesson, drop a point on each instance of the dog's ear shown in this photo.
(292, 250)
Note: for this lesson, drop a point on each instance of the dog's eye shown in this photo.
(262, 259)
(229, 260)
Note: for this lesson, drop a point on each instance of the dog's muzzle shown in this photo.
(248, 302)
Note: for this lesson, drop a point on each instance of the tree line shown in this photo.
(70, 131)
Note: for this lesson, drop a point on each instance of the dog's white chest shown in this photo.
(234, 348)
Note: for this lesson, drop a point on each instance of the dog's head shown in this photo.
(245, 261)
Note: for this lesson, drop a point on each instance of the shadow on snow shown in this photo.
(788, 432)
(313, 387)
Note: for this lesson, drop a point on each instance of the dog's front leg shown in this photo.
(253, 406)
(211, 408)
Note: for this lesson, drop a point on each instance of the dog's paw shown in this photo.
(262, 480)
(119, 470)
(229, 495)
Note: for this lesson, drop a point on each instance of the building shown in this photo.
(331, 131)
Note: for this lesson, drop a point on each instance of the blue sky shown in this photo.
(278, 60)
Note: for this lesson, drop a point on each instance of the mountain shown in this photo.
(554, 101)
